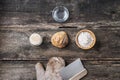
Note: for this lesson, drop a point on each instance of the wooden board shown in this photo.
(102, 61)
(80, 10)
(15, 44)
(20, 18)
(24, 70)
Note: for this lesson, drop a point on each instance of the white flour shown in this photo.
(85, 39)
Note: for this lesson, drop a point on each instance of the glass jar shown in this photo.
(60, 14)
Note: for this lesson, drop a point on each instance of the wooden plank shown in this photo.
(24, 70)
(80, 11)
(14, 44)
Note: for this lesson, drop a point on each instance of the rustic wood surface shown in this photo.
(40, 10)
(20, 18)
(24, 70)
(15, 43)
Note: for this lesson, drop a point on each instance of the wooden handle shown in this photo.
(79, 75)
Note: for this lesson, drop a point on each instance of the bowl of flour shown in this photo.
(85, 39)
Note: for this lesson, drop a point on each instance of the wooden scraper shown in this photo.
(73, 71)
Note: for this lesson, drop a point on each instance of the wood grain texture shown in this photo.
(80, 10)
(15, 44)
(25, 70)
(20, 18)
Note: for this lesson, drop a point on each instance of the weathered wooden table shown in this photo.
(20, 18)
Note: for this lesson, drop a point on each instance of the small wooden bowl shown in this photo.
(92, 35)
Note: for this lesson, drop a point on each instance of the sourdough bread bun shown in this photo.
(59, 39)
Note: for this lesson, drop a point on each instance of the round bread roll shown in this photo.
(59, 39)
(35, 39)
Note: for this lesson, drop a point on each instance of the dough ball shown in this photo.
(35, 39)
(59, 39)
